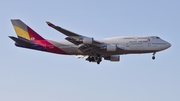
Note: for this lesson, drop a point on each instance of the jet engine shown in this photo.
(111, 48)
(87, 40)
(114, 58)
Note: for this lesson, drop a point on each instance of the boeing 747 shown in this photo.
(91, 49)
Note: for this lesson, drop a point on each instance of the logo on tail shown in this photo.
(24, 31)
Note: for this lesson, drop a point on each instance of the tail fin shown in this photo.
(24, 31)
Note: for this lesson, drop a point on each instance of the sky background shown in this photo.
(28, 75)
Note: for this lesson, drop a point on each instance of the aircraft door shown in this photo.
(149, 42)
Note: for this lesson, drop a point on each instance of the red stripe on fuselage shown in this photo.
(50, 47)
(44, 43)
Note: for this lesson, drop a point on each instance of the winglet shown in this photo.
(50, 24)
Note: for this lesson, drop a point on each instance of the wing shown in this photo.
(64, 31)
(72, 37)
(86, 44)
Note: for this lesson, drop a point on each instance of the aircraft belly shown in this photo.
(70, 50)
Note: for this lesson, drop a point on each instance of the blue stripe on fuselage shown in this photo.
(35, 47)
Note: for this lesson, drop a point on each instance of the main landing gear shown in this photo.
(96, 58)
(153, 57)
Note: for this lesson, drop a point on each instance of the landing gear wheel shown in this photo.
(91, 59)
(154, 56)
(98, 62)
(98, 58)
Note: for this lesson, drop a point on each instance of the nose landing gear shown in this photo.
(153, 57)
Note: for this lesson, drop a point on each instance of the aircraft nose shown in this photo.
(168, 45)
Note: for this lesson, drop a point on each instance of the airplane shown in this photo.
(87, 47)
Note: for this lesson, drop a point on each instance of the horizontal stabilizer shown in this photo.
(21, 41)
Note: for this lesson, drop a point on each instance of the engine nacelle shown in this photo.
(87, 40)
(113, 58)
(111, 48)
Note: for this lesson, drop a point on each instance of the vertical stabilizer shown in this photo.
(24, 31)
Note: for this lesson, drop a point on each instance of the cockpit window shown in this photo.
(157, 37)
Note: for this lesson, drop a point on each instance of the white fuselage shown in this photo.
(130, 45)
